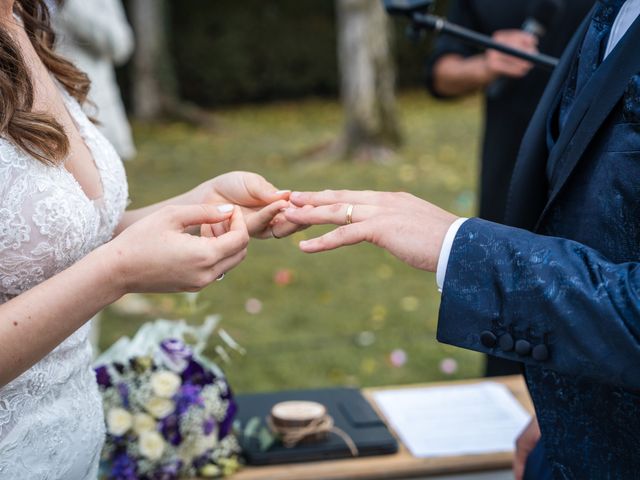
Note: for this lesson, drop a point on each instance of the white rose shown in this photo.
(151, 445)
(165, 384)
(143, 423)
(119, 421)
(159, 407)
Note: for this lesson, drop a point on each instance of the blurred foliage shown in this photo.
(228, 51)
(333, 318)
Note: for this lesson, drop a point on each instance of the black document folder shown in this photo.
(350, 411)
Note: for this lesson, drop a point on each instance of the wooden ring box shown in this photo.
(299, 415)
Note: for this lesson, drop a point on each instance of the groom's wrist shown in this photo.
(445, 251)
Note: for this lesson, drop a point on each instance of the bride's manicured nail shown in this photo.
(226, 208)
(294, 195)
(282, 192)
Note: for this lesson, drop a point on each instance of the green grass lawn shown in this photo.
(309, 333)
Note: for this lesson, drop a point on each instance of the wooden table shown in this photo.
(399, 465)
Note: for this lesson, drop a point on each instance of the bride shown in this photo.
(68, 249)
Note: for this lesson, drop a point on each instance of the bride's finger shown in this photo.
(329, 197)
(232, 242)
(337, 214)
(214, 230)
(220, 228)
(229, 263)
(340, 237)
(206, 230)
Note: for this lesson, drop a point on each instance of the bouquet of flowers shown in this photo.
(169, 411)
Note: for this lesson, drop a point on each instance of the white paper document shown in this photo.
(454, 420)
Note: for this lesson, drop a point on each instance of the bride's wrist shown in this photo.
(110, 266)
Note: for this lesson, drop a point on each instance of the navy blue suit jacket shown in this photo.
(559, 289)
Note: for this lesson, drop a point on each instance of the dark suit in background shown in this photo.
(562, 292)
(507, 114)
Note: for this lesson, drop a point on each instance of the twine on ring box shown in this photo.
(305, 422)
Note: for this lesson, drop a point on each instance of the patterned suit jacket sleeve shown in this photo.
(543, 301)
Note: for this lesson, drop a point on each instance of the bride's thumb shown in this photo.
(263, 190)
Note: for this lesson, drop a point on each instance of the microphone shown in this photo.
(540, 17)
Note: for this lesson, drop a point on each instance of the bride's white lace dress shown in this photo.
(51, 419)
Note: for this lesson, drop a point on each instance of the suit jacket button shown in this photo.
(540, 353)
(488, 339)
(523, 348)
(506, 342)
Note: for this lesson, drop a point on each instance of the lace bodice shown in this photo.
(51, 420)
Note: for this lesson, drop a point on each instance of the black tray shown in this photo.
(350, 411)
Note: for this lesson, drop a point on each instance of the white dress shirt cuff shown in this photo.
(445, 251)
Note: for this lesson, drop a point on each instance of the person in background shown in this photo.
(95, 36)
(456, 69)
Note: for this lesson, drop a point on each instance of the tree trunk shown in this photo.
(367, 79)
(155, 86)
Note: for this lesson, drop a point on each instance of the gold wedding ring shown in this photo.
(349, 220)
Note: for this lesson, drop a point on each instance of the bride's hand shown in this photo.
(261, 202)
(156, 254)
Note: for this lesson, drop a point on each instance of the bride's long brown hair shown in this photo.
(39, 134)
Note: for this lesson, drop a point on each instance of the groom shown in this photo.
(561, 292)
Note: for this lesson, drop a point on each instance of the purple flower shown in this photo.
(169, 471)
(187, 396)
(208, 426)
(123, 468)
(175, 354)
(195, 374)
(201, 461)
(227, 423)
(123, 390)
(170, 429)
(102, 376)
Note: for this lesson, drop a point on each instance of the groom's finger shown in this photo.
(281, 227)
(340, 237)
(337, 214)
(260, 221)
(329, 197)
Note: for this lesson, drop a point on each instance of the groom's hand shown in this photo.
(260, 201)
(410, 228)
(525, 444)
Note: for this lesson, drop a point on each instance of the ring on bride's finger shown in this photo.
(349, 219)
(220, 277)
(273, 234)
